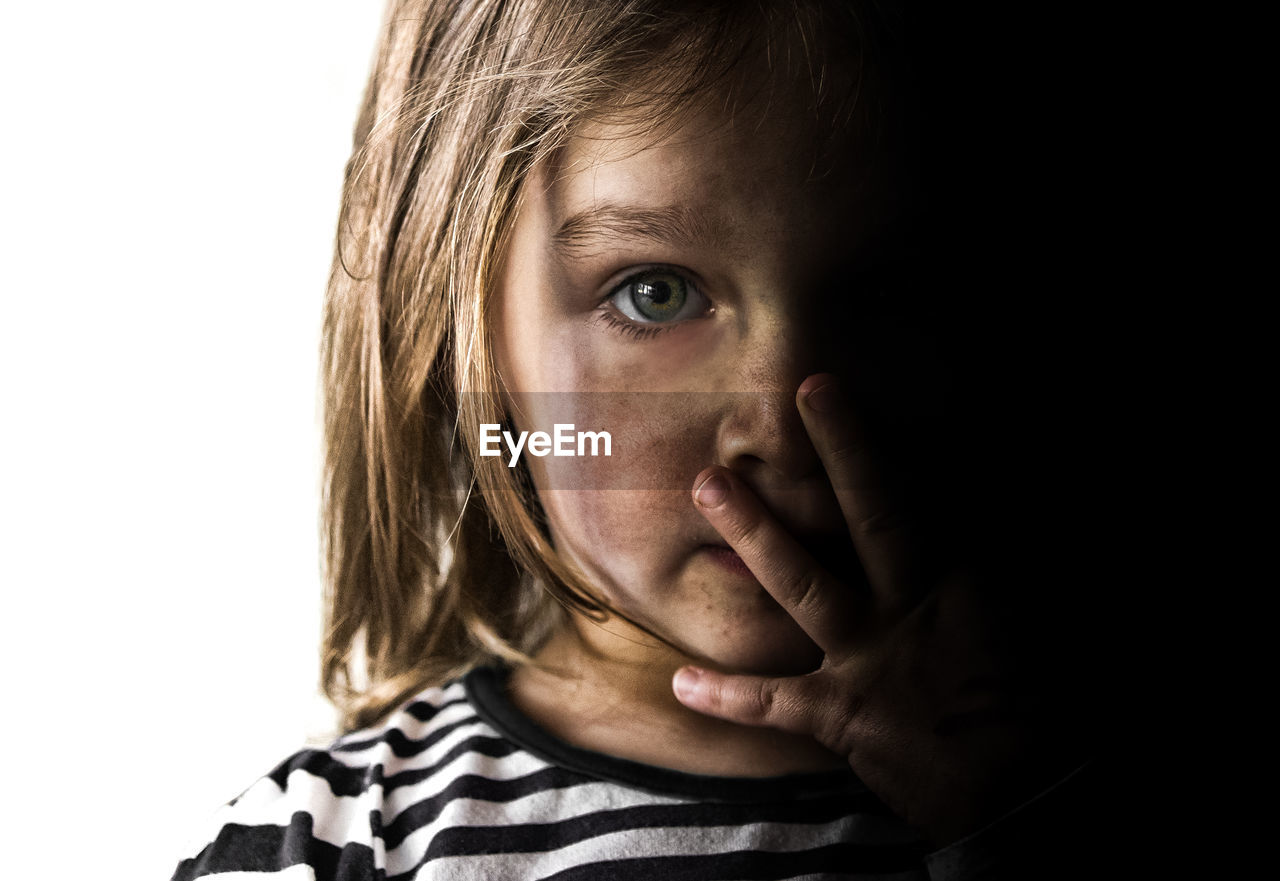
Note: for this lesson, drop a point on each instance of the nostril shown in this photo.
(763, 431)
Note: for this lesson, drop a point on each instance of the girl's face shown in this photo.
(675, 292)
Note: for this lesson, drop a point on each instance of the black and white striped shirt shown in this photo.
(458, 785)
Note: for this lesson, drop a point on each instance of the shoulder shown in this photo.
(319, 813)
(456, 784)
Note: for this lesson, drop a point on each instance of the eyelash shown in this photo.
(629, 328)
(623, 325)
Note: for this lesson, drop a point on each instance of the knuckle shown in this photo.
(845, 452)
(761, 700)
(845, 449)
(741, 698)
(883, 522)
(851, 465)
(803, 593)
(743, 529)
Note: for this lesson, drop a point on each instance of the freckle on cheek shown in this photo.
(659, 441)
(623, 538)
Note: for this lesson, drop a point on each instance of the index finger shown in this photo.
(825, 609)
(882, 530)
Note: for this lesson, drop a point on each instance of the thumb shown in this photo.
(748, 700)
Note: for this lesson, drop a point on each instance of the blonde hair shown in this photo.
(426, 576)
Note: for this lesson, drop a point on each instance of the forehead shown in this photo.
(768, 165)
(709, 148)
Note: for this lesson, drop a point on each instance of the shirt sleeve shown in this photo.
(289, 826)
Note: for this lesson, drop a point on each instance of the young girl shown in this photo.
(737, 614)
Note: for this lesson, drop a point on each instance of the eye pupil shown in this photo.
(659, 297)
(655, 293)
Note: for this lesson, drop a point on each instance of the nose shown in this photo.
(761, 435)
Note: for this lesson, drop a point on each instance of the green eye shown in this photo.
(657, 296)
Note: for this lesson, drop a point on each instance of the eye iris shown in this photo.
(659, 296)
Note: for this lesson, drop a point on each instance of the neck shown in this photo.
(606, 687)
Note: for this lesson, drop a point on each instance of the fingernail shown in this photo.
(686, 682)
(824, 398)
(712, 491)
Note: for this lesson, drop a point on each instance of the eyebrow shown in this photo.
(668, 224)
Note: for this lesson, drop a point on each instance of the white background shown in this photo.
(171, 176)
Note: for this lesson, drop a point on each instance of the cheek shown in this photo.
(624, 540)
(628, 518)
(657, 441)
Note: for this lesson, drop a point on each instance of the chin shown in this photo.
(775, 651)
